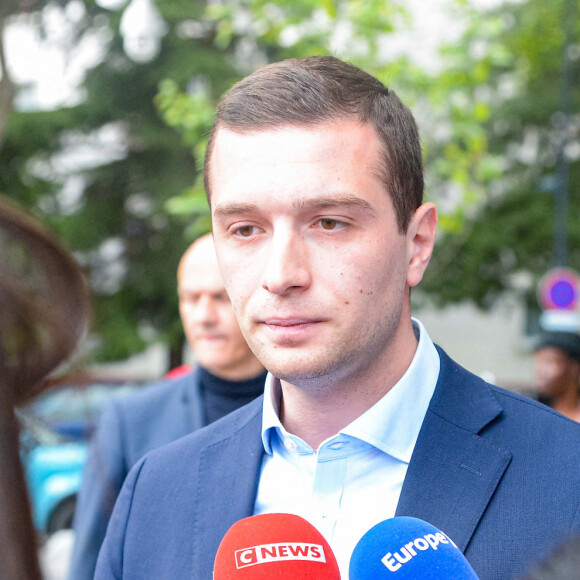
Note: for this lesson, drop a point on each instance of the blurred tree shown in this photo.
(507, 73)
(98, 174)
(8, 9)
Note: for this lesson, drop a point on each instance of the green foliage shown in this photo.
(116, 221)
(510, 63)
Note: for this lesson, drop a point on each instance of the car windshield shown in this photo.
(38, 431)
(75, 402)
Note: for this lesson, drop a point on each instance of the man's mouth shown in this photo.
(290, 321)
(292, 327)
(211, 337)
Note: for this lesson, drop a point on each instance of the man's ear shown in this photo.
(420, 241)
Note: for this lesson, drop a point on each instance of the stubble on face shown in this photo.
(344, 357)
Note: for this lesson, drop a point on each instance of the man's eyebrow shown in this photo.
(230, 208)
(334, 201)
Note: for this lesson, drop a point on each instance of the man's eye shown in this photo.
(245, 231)
(329, 223)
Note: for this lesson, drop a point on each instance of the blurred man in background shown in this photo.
(227, 376)
(557, 372)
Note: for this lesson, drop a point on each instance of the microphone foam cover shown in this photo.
(405, 548)
(274, 546)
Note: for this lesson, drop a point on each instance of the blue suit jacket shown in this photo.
(499, 473)
(129, 427)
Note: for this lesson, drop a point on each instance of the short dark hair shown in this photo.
(567, 342)
(318, 89)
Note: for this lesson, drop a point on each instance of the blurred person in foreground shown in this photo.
(226, 377)
(562, 564)
(315, 181)
(557, 372)
(44, 312)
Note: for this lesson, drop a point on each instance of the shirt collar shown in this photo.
(392, 424)
(271, 405)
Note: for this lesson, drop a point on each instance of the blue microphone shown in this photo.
(405, 548)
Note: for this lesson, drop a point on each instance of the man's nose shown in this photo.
(205, 310)
(287, 266)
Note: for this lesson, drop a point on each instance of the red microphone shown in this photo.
(271, 546)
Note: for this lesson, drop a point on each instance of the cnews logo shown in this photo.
(279, 552)
(393, 561)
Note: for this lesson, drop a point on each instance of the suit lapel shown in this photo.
(228, 475)
(454, 471)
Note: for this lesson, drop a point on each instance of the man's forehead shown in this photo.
(274, 157)
(225, 133)
(551, 352)
(204, 278)
(199, 268)
(274, 145)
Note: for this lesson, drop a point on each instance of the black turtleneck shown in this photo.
(221, 396)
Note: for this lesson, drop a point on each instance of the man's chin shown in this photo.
(296, 371)
(300, 363)
(212, 360)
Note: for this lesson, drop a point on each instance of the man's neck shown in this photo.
(316, 412)
(243, 371)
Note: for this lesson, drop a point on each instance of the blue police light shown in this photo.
(559, 290)
(563, 294)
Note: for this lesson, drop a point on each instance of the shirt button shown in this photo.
(290, 444)
(337, 446)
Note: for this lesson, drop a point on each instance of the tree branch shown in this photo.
(7, 89)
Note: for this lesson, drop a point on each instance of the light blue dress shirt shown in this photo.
(354, 480)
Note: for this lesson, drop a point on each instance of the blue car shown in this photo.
(73, 409)
(53, 467)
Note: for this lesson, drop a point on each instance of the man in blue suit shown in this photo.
(228, 376)
(315, 181)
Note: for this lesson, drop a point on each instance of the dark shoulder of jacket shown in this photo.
(245, 421)
(156, 394)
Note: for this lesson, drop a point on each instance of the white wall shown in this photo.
(490, 344)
